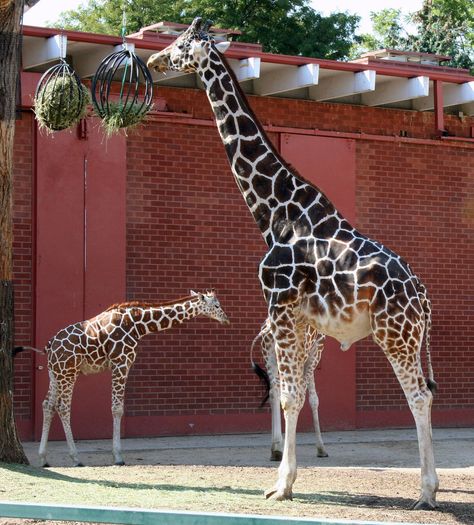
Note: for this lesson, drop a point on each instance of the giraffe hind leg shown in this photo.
(64, 411)
(406, 363)
(49, 405)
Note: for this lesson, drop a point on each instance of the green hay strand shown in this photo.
(120, 115)
(58, 104)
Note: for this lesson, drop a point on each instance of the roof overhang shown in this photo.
(370, 81)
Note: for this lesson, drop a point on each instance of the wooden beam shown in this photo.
(453, 95)
(287, 79)
(42, 51)
(397, 90)
(343, 85)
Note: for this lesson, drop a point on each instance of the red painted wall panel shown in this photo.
(80, 256)
(330, 165)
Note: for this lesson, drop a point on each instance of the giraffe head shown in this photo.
(188, 51)
(208, 305)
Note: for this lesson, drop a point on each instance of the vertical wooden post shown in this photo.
(11, 450)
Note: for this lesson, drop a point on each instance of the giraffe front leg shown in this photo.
(290, 357)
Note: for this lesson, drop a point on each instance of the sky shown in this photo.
(48, 10)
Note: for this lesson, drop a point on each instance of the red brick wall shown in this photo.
(419, 201)
(188, 227)
(23, 265)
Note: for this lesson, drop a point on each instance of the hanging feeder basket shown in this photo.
(134, 99)
(60, 98)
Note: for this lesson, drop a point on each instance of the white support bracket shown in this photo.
(398, 90)
(45, 50)
(280, 81)
(247, 69)
(453, 95)
(343, 85)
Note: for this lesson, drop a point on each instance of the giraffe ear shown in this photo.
(222, 47)
(192, 292)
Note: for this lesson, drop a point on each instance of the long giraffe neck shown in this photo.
(264, 179)
(158, 318)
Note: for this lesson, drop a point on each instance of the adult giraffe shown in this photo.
(318, 270)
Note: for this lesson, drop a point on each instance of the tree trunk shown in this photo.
(11, 450)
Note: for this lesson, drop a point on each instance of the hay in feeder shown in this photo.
(123, 115)
(61, 102)
(129, 106)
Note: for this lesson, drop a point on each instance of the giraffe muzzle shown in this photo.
(158, 62)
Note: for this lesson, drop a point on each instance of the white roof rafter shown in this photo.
(246, 69)
(43, 51)
(343, 85)
(453, 95)
(288, 79)
(397, 90)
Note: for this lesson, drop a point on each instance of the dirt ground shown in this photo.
(369, 475)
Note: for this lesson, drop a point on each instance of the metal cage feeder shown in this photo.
(135, 97)
(60, 98)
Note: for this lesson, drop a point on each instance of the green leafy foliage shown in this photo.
(443, 27)
(446, 27)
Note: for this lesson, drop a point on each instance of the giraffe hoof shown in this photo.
(79, 464)
(322, 454)
(46, 465)
(424, 505)
(120, 463)
(279, 495)
(276, 455)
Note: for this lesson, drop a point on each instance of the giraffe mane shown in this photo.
(146, 304)
(240, 93)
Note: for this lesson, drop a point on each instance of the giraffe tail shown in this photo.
(426, 304)
(18, 349)
(262, 375)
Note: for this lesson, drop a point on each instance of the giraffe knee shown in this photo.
(422, 400)
(291, 402)
(117, 411)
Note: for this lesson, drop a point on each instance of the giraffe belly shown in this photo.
(343, 330)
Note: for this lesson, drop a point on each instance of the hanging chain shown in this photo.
(124, 23)
(62, 45)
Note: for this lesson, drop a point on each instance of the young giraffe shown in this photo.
(313, 348)
(318, 269)
(109, 341)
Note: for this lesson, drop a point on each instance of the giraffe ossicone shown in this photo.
(318, 270)
(109, 341)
